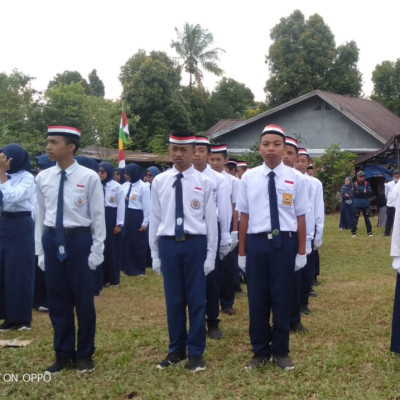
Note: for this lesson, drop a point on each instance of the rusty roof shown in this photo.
(105, 153)
(370, 115)
(222, 124)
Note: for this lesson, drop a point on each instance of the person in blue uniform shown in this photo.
(39, 294)
(272, 236)
(183, 241)
(114, 201)
(17, 254)
(69, 236)
(137, 215)
(361, 203)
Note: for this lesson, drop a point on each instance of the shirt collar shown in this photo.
(278, 169)
(70, 169)
(185, 173)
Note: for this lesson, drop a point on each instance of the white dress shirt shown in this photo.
(19, 192)
(319, 209)
(114, 197)
(139, 198)
(253, 198)
(390, 194)
(199, 208)
(224, 206)
(83, 203)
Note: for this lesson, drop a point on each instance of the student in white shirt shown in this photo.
(69, 236)
(183, 240)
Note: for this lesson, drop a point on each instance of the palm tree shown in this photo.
(191, 46)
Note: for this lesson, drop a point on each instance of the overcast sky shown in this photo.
(44, 37)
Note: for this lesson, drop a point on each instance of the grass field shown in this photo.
(345, 355)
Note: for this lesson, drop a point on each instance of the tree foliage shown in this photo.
(386, 79)
(68, 77)
(303, 57)
(193, 47)
(96, 85)
(331, 169)
(230, 100)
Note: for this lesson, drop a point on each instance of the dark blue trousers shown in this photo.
(226, 275)
(185, 286)
(17, 263)
(212, 298)
(395, 339)
(307, 278)
(111, 249)
(70, 285)
(134, 243)
(269, 275)
(296, 300)
(39, 293)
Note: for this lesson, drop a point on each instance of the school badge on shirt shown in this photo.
(287, 199)
(195, 204)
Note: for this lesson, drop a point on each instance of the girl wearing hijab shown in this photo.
(150, 174)
(346, 211)
(114, 201)
(17, 251)
(119, 175)
(137, 215)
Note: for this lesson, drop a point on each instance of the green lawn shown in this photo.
(345, 355)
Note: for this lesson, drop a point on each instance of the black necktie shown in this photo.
(60, 235)
(127, 196)
(179, 232)
(273, 207)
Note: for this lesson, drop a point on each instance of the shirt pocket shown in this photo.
(286, 195)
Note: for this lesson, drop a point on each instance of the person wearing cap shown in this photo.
(231, 166)
(241, 168)
(361, 203)
(311, 270)
(114, 202)
(39, 293)
(183, 241)
(272, 242)
(137, 216)
(390, 203)
(226, 268)
(69, 236)
(289, 159)
(17, 253)
(224, 217)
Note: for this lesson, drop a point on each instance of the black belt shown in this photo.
(187, 236)
(17, 214)
(70, 231)
(269, 235)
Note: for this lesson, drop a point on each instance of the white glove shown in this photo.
(317, 244)
(396, 263)
(209, 266)
(235, 240)
(301, 261)
(95, 260)
(242, 263)
(41, 262)
(308, 249)
(156, 265)
(224, 251)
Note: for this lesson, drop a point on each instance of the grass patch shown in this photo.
(345, 355)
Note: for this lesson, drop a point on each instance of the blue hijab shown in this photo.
(134, 172)
(122, 175)
(153, 170)
(109, 171)
(88, 163)
(20, 158)
(43, 161)
(347, 188)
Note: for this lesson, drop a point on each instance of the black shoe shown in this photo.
(283, 362)
(305, 310)
(313, 293)
(298, 328)
(257, 362)
(84, 364)
(196, 363)
(228, 311)
(215, 333)
(59, 365)
(178, 357)
(6, 326)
